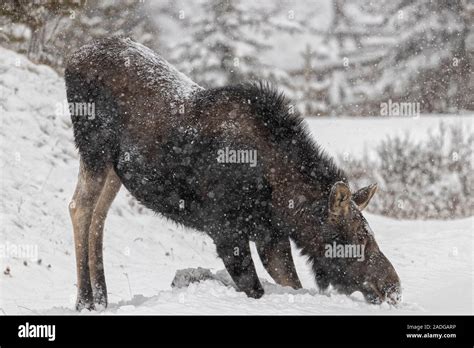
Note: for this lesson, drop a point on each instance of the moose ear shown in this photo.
(339, 199)
(362, 197)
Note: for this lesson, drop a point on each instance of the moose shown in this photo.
(159, 134)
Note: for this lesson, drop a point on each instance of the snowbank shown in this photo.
(38, 168)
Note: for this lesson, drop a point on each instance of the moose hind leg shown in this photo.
(278, 261)
(96, 232)
(238, 262)
(86, 195)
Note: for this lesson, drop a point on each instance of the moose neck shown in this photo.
(308, 222)
(304, 176)
(302, 201)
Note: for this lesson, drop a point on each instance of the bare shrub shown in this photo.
(427, 179)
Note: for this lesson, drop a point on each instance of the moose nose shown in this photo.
(390, 286)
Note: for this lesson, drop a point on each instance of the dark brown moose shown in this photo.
(234, 162)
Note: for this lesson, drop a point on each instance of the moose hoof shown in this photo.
(255, 293)
(85, 301)
(100, 304)
(100, 300)
(84, 304)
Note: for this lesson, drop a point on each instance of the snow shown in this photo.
(39, 166)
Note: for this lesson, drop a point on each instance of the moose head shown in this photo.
(351, 259)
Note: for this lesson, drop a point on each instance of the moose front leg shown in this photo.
(278, 261)
(238, 262)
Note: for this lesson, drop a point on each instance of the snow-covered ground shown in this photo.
(38, 169)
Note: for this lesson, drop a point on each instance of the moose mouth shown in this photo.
(390, 294)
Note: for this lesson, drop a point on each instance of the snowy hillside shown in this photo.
(38, 170)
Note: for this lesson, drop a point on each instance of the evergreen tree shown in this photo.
(226, 44)
(430, 62)
(407, 51)
(418, 52)
(31, 25)
(52, 29)
(311, 89)
(98, 19)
